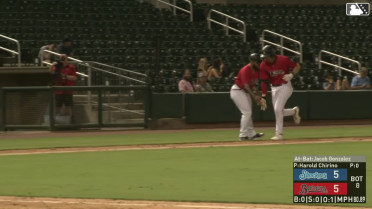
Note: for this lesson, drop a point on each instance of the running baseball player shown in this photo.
(243, 92)
(279, 70)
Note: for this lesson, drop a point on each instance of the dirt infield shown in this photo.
(64, 203)
(179, 146)
(59, 203)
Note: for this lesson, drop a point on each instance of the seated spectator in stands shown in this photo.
(342, 85)
(202, 84)
(186, 85)
(203, 65)
(329, 83)
(66, 47)
(215, 70)
(64, 75)
(224, 69)
(46, 56)
(361, 81)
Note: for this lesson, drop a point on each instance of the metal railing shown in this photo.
(18, 52)
(339, 62)
(134, 76)
(80, 74)
(175, 7)
(243, 32)
(77, 61)
(102, 74)
(104, 68)
(281, 43)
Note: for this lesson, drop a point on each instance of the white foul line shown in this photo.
(160, 147)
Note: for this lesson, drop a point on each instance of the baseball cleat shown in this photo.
(245, 138)
(258, 135)
(277, 137)
(296, 116)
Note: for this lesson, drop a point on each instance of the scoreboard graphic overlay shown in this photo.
(329, 179)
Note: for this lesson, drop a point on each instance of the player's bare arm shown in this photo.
(296, 69)
(264, 88)
(255, 97)
(289, 76)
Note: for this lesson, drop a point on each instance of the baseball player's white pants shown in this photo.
(244, 103)
(280, 95)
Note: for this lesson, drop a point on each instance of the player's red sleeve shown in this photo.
(263, 87)
(263, 73)
(290, 63)
(245, 77)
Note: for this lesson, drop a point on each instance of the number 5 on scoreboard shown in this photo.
(335, 188)
(335, 174)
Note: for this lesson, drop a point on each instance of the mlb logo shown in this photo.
(357, 9)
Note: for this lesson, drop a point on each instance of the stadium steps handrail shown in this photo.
(281, 44)
(173, 4)
(339, 62)
(90, 66)
(18, 52)
(117, 68)
(226, 24)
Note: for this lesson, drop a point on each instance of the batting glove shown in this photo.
(288, 77)
(263, 104)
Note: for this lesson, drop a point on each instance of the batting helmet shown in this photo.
(268, 51)
(254, 57)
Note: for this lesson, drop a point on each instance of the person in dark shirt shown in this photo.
(66, 47)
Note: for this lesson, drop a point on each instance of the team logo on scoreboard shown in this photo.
(307, 175)
(307, 189)
(357, 9)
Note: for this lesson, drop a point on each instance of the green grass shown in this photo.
(186, 136)
(257, 174)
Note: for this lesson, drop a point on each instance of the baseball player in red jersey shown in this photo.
(243, 92)
(278, 70)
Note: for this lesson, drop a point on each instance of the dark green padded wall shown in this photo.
(167, 105)
(210, 107)
(218, 107)
(340, 104)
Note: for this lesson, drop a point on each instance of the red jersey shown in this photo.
(248, 76)
(60, 81)
(275, 72)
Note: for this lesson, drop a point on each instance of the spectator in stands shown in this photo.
(224, 69)
(342, 83)
(66, 47)
(361, 81)
(46, 56)
(186, 84)
(64, 75)
(203, 65)
(202, 84)
(329, 83)
(215, 70)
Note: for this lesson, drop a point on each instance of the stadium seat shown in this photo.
(126, 32)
